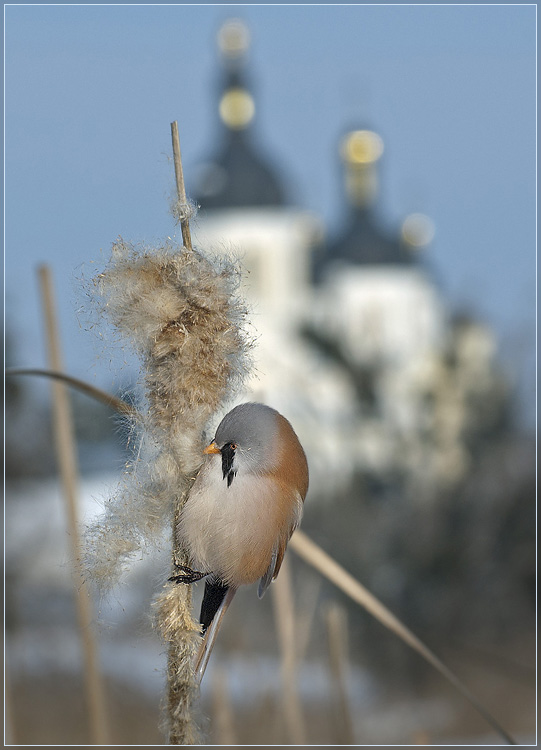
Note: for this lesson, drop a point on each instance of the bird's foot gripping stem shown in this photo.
(187, 576)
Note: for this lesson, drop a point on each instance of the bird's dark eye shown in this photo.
(233, 446)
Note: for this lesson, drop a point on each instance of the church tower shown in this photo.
(238, 175)
(376, 300)
(244, 205)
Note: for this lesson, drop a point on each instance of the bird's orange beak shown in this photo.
(212, 448)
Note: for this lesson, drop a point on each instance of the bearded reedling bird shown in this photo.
(245, 504)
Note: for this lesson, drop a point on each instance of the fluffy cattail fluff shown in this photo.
(180, 311)
(182, 211)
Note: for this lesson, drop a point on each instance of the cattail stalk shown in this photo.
(184, 209)
(65, 447)
(178, 307)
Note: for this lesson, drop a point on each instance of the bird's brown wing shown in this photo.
(279, 550)
(265, 580)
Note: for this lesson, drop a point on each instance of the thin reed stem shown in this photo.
(117, 404)
(181, 189)
(65, 445)
(222, 709)
(327, 566)
(284, 611)
(306, 616)
(337, 636)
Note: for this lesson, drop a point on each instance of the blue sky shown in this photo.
(91, 90)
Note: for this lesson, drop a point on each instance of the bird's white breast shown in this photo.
(229, 530)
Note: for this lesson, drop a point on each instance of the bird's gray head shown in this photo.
(247, 439)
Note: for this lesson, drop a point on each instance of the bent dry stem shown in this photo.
(327, 566)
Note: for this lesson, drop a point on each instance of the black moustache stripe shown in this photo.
(228, 453)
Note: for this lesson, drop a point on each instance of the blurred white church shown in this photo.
(355, 345)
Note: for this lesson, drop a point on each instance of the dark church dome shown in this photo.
(362, 241)
(237, 175)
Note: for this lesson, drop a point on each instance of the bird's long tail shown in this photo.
(216, 600)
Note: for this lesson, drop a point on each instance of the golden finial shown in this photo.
(360, 150)
(361, 147)
(237, 108)
(233, 38)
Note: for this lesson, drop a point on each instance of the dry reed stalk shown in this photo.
(65, 448)
(328, 567)
(337, 635)
(179, 309)
(182, 210)
(115, 403)
(306, 616)
(181, 633)
(284, 611)
(222, 709)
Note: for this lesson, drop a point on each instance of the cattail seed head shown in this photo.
(180, 311)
